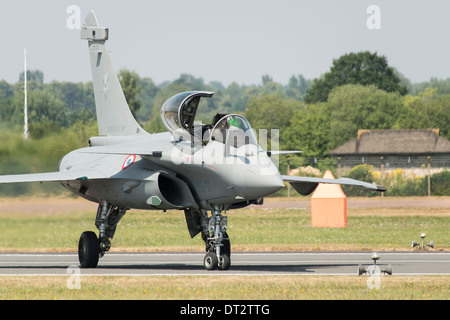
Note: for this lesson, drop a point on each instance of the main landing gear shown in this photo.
(91, 248)
(213, 230)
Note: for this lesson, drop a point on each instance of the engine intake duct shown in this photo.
(168, 192)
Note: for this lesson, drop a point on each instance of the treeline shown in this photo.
(361, 91)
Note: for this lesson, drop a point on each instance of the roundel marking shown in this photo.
(129, 161)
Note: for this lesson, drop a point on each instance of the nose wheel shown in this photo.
(212, 261)
(217, 242)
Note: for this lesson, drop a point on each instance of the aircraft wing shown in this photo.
(123, 151)
(306, 185)
(62, 176)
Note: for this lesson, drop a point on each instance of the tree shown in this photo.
(130, 83)
(309, 131)
(77, 97)
(442, 86)
(231, 99)
(190, 81)
(271, 112)
(266, 79)
(362, 68)
(354, 107)
(36, 75)
(146, 95)
(6, 101)
(43, 105)
(428, 110)
(297, 87)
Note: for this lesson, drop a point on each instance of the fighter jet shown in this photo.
(203, 169)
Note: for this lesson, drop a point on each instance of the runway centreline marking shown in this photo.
(221, 273)
(238, 254)
(244, 258)
(25, 264)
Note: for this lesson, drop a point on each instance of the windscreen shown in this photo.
(234, 131)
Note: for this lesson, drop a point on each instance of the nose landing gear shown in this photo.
(217, 242)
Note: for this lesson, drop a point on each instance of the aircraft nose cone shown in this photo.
(261, 185)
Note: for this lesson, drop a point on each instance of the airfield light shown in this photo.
(414, 243)
(363, 269)
(375, 257)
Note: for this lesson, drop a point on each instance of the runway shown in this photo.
(242, 263)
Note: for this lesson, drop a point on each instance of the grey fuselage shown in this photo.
(179, 175)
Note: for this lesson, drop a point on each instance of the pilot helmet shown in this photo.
(236, 122)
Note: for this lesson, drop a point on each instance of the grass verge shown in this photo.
(250, 230)
(229, 287)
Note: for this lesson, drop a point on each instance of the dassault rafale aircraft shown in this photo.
(203, 169)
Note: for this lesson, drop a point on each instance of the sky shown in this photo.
(227, 41)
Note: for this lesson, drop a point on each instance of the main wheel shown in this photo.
(88, 250)
(210, 262)
(226, 248)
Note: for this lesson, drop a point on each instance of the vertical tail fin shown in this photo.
(113, 114)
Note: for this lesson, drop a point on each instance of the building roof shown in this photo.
(404, 141)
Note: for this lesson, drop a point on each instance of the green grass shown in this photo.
(229, 287)
(249, 229)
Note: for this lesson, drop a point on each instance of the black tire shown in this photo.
(226, 248)
(88, 250)
(210, 262)
(361, 269)
(225, 262)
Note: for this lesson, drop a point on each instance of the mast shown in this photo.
(25, 129)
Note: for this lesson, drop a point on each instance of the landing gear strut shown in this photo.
(91, 248)
(217, 242)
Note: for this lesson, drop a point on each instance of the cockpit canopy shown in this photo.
(233, 130)
(178, 113)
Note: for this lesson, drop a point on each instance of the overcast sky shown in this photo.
(227, 40)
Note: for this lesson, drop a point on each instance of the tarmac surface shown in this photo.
(358, 203)
(243, 263)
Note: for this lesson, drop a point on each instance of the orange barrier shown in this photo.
(328, 205)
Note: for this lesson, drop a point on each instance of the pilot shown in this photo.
(206, 129)
(217, 117)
